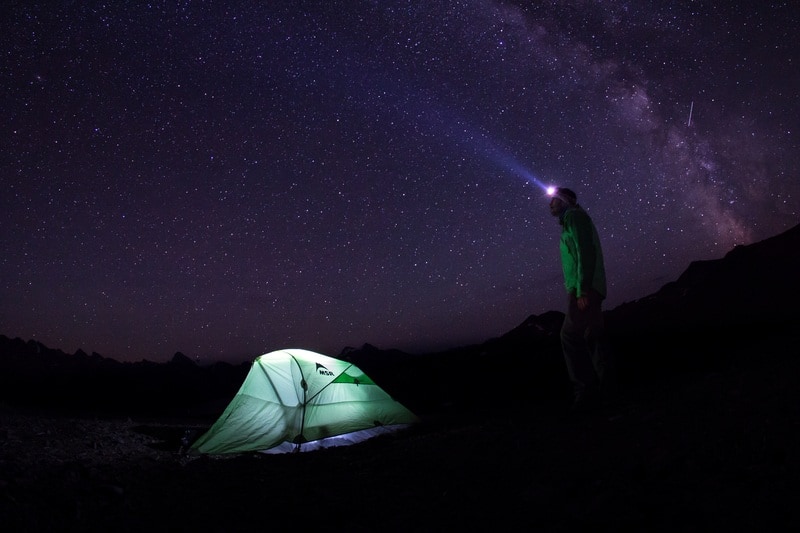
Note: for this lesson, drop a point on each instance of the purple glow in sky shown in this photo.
(234, 178)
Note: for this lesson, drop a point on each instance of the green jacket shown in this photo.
(581, 255)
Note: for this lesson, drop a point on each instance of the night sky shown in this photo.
(230, 179)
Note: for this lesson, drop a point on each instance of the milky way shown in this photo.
(226, 180)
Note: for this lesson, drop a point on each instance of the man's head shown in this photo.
(561, 199)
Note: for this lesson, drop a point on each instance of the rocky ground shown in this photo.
(711, 450)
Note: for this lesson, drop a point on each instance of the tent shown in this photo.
(298, 400)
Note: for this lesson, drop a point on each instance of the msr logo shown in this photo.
(323, 371)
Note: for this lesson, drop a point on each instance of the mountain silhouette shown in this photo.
(714, 308)
(752, 284)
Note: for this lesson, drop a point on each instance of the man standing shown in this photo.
(583, 333)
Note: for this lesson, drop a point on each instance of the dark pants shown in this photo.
(583, 340)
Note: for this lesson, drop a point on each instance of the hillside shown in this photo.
(707, 438)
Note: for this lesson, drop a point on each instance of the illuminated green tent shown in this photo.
(298, 400)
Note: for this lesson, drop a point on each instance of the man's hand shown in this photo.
(583, 303)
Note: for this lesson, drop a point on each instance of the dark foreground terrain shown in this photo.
(706, 439)
(710, 450)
